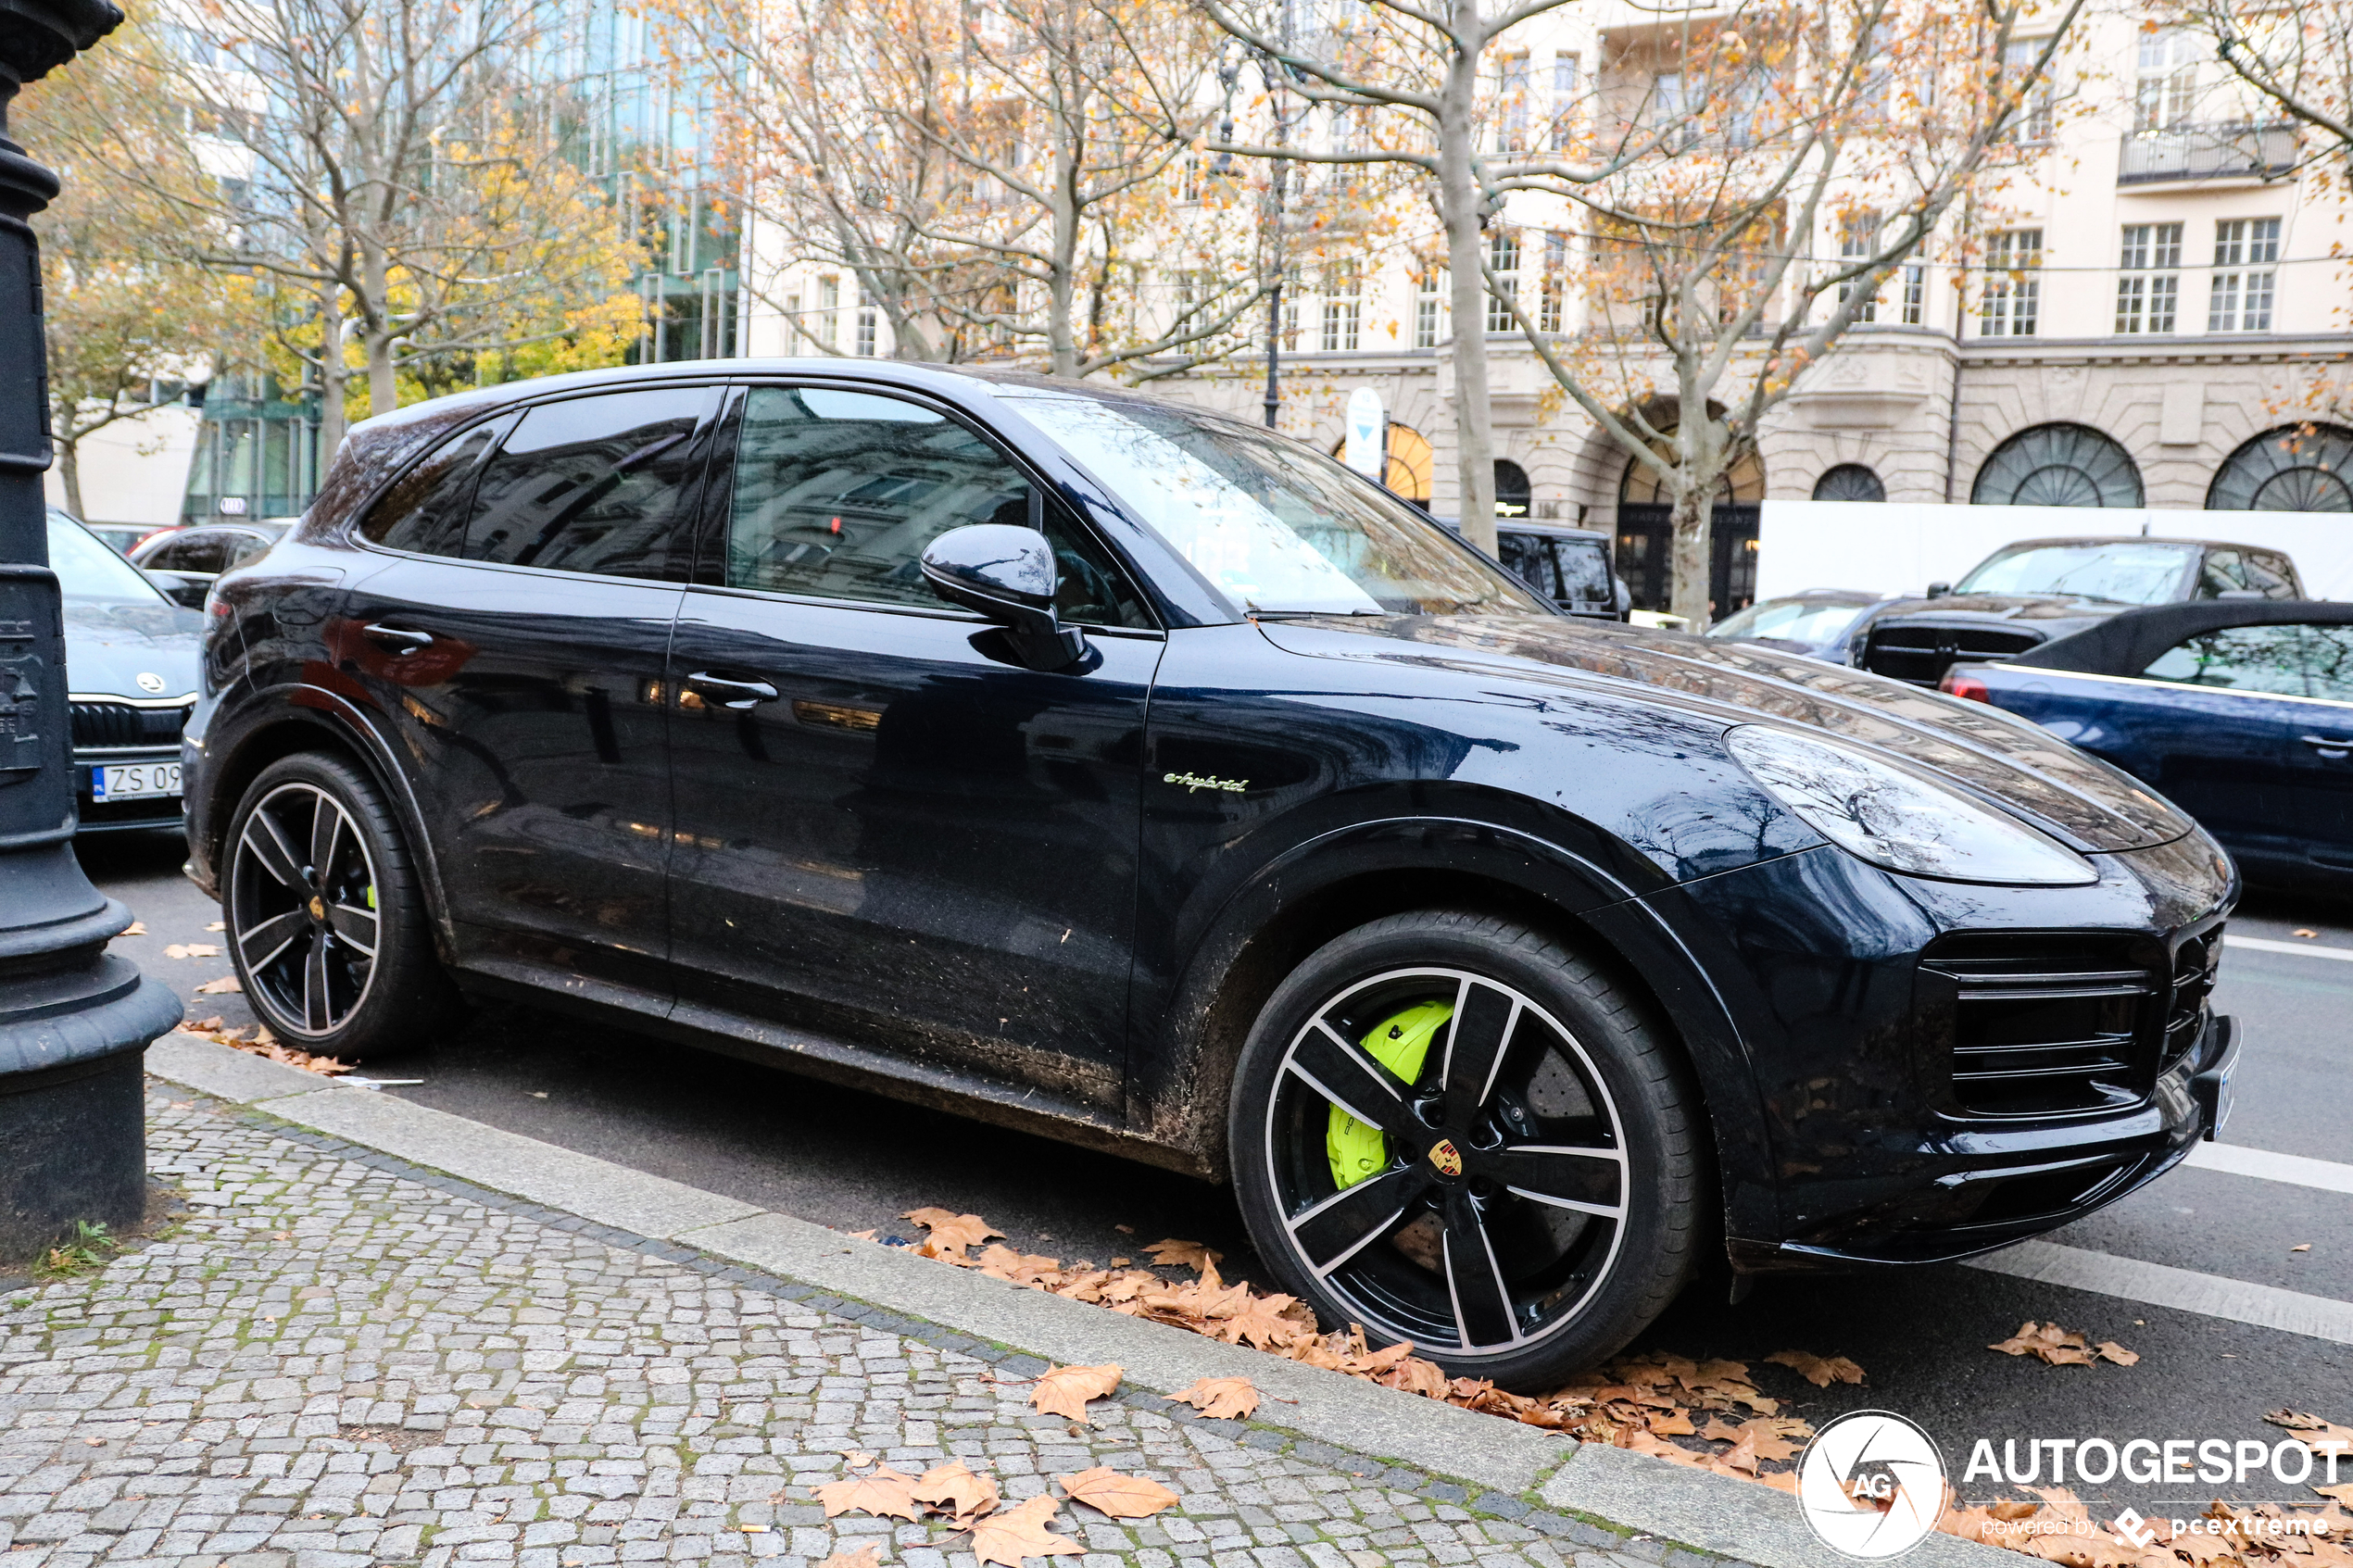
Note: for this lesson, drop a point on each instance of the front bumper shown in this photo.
(139, 813)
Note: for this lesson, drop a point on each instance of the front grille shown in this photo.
(1922, 654)
(2045, 1025)
(117, 726)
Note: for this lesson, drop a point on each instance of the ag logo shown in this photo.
(1871, 1484)
(1447, 1157)
(150, 682)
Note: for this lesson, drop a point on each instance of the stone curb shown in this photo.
(1436, 1450)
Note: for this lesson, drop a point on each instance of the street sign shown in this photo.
(1367, 433)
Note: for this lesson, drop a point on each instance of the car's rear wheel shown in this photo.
(1452, 1129)
(326, 924)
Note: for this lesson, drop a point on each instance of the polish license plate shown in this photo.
(128, 781)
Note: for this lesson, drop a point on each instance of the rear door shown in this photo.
(512, 643)
(888, 829)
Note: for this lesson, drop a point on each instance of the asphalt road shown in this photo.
(854, 1161)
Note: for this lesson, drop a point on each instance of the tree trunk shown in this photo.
(1458, 205)
(69, 471)
(332, 379)
(1693, 554)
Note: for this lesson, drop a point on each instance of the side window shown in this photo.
(2272, 574)
(204, 552)
(1584, 572)
(592, 484)
(2328, 662)
(425, 510)
(247, 546)
(837, 493)
(2245, 659)
(2223, 574)
(1529, 557)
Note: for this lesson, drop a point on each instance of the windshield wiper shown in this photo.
(1263, 614)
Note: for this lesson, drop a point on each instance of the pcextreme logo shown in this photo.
(1871, 1484)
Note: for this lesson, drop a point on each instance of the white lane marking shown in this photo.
(2265, 1306)
(2301, 949)
(2294, 1169)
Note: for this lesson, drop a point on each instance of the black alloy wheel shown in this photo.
(324, 920)
(1451, 1130)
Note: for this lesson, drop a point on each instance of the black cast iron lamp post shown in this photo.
(75, 1020)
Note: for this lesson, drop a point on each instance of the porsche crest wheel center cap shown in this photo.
(1446, 1157)
(317, 907)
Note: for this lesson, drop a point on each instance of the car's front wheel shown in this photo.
(1453, 1130)
(326, 924)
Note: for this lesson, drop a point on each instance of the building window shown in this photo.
(1564, 97)
(2149, 283)
(2033, 120)
(2165, 89)
(828, 311)
(2013, 286)
(1514, 106)
(1915, 294)
(1342, 308)
(2294, 468)
(1668, 116)
(1857, 239)
(2246, 251)
(867, 324)
(2057, 465)
(1293, 286)
(1551, 288)
(1426, 303)
(795, 324)
(1849, 482)
(1502, 260)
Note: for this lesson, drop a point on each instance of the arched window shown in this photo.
(2057, 466)
(2293, 468)
(1849, 482)
(1408, 472)
(1513, 493)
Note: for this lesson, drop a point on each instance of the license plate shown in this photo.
(126, 781)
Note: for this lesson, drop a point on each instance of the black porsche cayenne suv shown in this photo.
(1121, 773)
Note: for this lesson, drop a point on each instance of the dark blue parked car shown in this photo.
(2240, 713)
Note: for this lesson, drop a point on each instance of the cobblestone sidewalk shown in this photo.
(333, 1365)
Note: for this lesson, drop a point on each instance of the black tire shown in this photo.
(1486, 1278)
(336, 959)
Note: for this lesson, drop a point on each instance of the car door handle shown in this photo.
(400, 639)
(726, 692)
(2332, 748)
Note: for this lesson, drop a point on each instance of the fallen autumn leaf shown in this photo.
(1221, 1398)
(1020, 1532)
(1123, 1497)
(885, 1494)
(1819, 1370)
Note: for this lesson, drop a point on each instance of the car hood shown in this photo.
(111, 643)
(2022, 767)
(2025, 608)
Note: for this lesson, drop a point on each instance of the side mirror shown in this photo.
(1008, 574)
(1938, 590)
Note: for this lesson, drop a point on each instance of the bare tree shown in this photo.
(1435, 72)
(1805, 151)
(2298, 58)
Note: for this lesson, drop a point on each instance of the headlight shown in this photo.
(1896, 819)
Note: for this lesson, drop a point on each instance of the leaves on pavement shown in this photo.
(2321, 1436)
(1819, 1370)
(953, 1490)
(221, 987)
(1064, 1391)
(1123, 1497)
(192, 949)
(1185, 1254)
(950, 1233)
(887, 1493)
(260, 1042)
(2062, 1347)
(1020, 1532)
(1221, 1398)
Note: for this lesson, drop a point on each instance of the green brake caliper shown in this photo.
(1399, 1043)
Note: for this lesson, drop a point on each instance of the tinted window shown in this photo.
(837, 493)
(2286, 660)
(1584, 572)
(247, 546)
(2273, 574)
(2223, 574)
(197, 552)
(425, 510)
(1529, 556)
(592, 484)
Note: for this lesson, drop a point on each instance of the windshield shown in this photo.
(2125, 571)
(1799, 621)
(87, 570)
(1275, 525)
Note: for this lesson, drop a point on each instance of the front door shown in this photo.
(511, 639)
(888, 830)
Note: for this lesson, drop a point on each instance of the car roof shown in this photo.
(2134, 539)
(1550, 530)
(2129, 641)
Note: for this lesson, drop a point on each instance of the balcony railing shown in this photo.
(2206, 152)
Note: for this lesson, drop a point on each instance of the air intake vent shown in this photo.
(117, 726)
(2197, 959)
(1922, 654)
(2043, 1025)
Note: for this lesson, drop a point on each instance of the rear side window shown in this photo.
(2273, 574)
(425, 510)
(1584, 572)
(2290, 659)
(203, 552)
(2223, 574)
(594, 484)
(1529, 558)
(837, 493)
